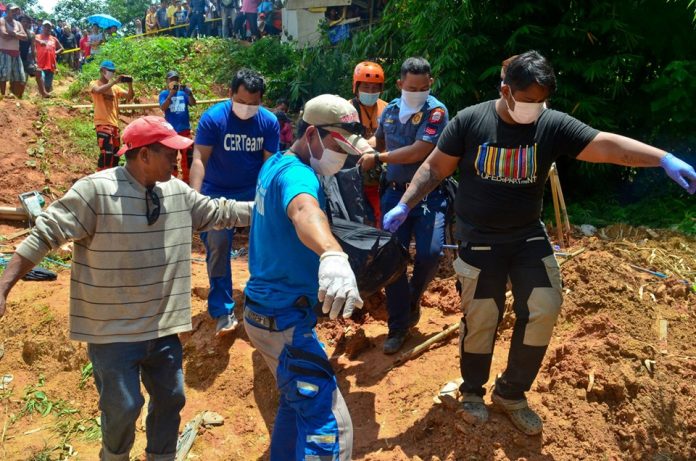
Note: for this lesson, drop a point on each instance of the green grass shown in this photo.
(80, 131)
(665, 212)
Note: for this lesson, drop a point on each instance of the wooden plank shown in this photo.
(305, 4)
(14, 235)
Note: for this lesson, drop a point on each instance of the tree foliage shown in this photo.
(77, 11)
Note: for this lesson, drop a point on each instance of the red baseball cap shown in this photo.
(150, 130)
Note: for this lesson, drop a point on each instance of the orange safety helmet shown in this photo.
(369, 72)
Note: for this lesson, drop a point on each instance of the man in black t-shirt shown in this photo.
(504, 149)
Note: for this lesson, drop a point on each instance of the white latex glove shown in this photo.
(337, 285)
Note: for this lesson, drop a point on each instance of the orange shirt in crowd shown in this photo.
(106, 105)
(46, 54)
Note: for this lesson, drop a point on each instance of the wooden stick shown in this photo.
(14, 235)
(556, 209)
(149, 105)
(422, 347)
(561, 202)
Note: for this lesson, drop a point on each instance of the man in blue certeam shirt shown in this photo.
(232, 141)
(175, 102)
(409, 129)
(294, 261)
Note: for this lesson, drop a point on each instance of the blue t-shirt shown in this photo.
(426, 125)
(281, 267)
(177, 114)
(238, 145)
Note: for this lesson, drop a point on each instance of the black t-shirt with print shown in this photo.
(503, 169)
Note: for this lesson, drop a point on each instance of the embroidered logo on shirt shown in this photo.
(417, 117)
(436, 116)
(514, 165)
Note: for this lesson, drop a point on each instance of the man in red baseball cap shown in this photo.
(130, 291)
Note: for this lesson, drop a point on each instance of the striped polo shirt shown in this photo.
(130, 281)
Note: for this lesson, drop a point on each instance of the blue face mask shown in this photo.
(368, 99)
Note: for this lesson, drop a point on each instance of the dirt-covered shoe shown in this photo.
(473, 410)
(394, 341)
(522, 417)
(226, 324)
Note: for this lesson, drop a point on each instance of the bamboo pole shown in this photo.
(149, 105)
(556, 208)
(422, 347)
(561, 202)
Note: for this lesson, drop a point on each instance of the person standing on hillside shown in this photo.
(228, 13)
(96, 38)
(47, 47)
(151, 20)
(368, 83)
(11, 66)
(162, 17)
(504, 149)
(106, 95)
(69, 41)
(174, 102)
(232, 141)
(409, 129)
(197, 23)
(296, 263)
(134, 221)
(181, 18)
(27, 52)
(248, 13)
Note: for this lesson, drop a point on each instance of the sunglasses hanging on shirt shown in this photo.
(151, 196)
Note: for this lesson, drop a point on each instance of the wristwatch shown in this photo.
(376, 157)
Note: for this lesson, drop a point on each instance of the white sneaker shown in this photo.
(226, 324)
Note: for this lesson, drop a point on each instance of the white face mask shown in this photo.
(525, 112)
(330, 163)
(368, 99)
(414, 99)
(244, 111)
(108, 74)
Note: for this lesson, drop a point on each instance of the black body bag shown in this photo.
(376, 256)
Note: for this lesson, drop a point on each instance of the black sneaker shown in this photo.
(414, 314)
(394, 341)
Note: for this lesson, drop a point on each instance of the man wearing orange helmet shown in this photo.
(368, 83)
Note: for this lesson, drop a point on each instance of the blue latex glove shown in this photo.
(395, 217)
(681, 172)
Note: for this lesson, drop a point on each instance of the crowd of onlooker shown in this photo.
(242, 19)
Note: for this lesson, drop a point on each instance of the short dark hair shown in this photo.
(301, 128)
(415, 65)
(529, 68)
(252, 81)
(130, 154)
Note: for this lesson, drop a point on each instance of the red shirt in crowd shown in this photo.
(46, 52)
(84, 46)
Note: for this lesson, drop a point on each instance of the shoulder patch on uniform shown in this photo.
(437, 115)
(430, 130)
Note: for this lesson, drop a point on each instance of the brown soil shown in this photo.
(613, 385)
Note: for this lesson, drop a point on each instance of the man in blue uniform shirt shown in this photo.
(409, 129)
(174, 102)
(232, 141)
(294, 261)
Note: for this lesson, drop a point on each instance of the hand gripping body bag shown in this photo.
(376, 256)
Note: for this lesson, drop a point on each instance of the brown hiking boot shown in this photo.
(522, 417)
(473, 410)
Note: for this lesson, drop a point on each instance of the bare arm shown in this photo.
(311, 224)
(59, 47)
(20, 33)
(380, 145)
(408, 154)
(267, 155)
(201, 154)
(15, 270)
(620, 150)
(131, 93)
(105, 88)
(167, 102)
(432, 172)
(192, 98)
(3, 29)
